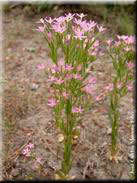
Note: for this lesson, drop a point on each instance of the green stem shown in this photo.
(66, 163)
(114, 113)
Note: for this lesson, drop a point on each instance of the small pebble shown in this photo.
(34, 86)
(109, 131)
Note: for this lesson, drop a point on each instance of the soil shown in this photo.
(28, 119)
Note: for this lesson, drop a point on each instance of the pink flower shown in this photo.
(41, 21)
(88, 89)
(69, 17)
(130, 65)
(109, 41)
(130, 40)
(127, 39)
(78, 21)
(79, 34)
(108, 88)
(117, 43)
(52, 79)
(55, 69)
(122, 37)
(101, 29)
(99, 97)
(26, 152)
(119, 85)
(50, 20)
(77, 110)
(92, 80)
(92, 24)
(65, 95)
(68, 67)
(87, 26)
(94, 52)
(60, 20)
(79, 67)
(96, 44)
(40, 29)
(30, 145)
(127, 49)
(40, 66)
(58, 28)
(69, 76)
(130, 87)
(81, 15)
(77, 76)
(52, 102)
(61, 62)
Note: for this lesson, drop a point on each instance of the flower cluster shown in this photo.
(70, 27)
(68, 81)
(80, 26)
(122, 52)
(71, 84)
(27, 150)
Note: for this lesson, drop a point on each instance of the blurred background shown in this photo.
(119, 18)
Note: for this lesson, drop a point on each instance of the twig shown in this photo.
(86, 167)
(102, 151)
(88, 162)
(6, 174)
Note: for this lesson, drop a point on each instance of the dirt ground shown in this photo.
(28, 119)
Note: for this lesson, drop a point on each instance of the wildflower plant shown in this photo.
(122, 54)
(71, 85)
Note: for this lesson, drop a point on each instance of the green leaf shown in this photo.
(130, 77)
(115, 65)
(68, 106)
(123, 91)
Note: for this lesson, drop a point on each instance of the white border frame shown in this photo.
(1, 41)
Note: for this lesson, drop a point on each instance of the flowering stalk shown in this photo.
(114, 116)
(122, 55)
(70, 84)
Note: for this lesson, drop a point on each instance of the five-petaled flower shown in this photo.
(41, 28)
(50, 20)
(40, 66)
(79, 34)
(81, 15)
(69, 17)
(77, 110)
(130, 65)
(52, 102)
(101, 29)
